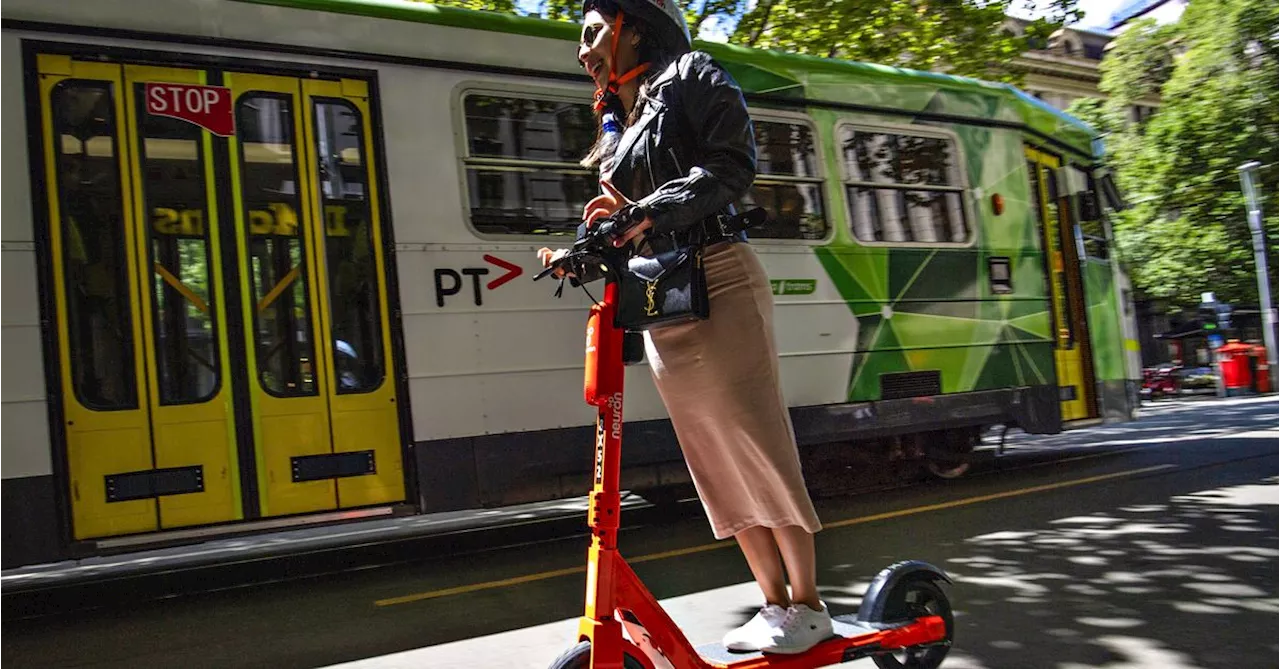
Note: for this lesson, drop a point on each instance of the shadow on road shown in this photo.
(1183, 584)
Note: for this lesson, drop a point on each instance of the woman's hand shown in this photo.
(608, 204)
(548, 257)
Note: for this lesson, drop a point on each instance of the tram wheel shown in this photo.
(946, 470)
(579, 657)
(949, 459)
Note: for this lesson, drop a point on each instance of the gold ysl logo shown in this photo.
(650, 309)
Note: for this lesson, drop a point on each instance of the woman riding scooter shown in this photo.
(676, 148)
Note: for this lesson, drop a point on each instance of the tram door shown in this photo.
(310, 253)
(167, 300)
(1066, 290)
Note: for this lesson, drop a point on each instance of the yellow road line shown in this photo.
(999, 495)
(542, 576)
(464, 589)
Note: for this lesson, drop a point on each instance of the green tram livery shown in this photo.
(268, 263)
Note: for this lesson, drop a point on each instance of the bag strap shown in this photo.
(733, 224)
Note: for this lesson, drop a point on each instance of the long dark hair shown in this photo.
(650, 52)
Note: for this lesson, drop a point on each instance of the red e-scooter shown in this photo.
(904, 620)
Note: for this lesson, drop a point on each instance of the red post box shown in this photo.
(1236, 364)
(1261, 369)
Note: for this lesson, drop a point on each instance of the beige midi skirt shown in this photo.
(719, 381)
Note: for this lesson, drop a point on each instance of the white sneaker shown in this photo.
(802, 629)
(758, 631)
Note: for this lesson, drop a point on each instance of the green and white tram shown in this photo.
(267, 262)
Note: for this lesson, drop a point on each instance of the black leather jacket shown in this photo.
(691, 152)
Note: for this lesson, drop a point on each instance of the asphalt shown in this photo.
(1148, 544)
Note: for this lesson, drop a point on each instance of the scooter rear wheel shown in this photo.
(910, 600)
(579, 657)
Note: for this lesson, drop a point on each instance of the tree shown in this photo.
(1092, 111)
(1216, 73)
(504, 6)
(963, 37)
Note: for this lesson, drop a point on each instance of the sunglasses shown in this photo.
(590, 33)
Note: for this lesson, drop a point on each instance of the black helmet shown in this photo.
(663, 16)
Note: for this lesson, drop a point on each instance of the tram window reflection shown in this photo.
(184, 314)
(521, 162)
(904, 188)
(355, 308)
(282, 314)
(1093, 226)
(787, 185)
(99, 327)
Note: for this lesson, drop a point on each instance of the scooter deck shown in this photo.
(846, 626)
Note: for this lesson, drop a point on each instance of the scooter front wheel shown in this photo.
(579, 657)
(909, 600)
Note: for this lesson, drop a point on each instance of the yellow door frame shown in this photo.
(364, 421)
(147, 435)
(1068, 351)
(201, 432)
(105, 447)
(100, 443)
(326, 423)
(284, 427)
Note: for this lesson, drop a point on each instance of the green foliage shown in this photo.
(1216, 73)
(505, 6)
(1138, 64)
(1093, 112)
(963, 37)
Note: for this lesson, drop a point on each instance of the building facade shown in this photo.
(1066, 68)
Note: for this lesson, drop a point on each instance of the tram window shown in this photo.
(355, 307)
(1092, 226)
(903, 188)
(1056, 258)
(99, 325)
(282, 325)
(183, 313)
(787, 184)
(523, 176)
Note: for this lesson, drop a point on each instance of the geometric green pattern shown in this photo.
(926, 310)
(931, 308)
(1104, 321)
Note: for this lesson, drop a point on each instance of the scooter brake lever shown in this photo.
(543, 274)
(561, 263)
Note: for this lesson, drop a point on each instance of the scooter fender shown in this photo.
(874, 602)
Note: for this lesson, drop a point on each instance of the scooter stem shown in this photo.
(604, 372)
(602, 389)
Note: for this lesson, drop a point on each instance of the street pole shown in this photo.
(1260, 260)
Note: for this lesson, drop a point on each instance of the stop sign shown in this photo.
(206, 106)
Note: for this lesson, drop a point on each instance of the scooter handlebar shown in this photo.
(595, 245)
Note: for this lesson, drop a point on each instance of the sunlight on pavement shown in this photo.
(1176, 557)
(1138, 654)
(1104, 582)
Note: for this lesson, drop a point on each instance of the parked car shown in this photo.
(1160, 381)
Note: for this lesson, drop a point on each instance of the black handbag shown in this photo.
(666, 288)
(670, 286)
